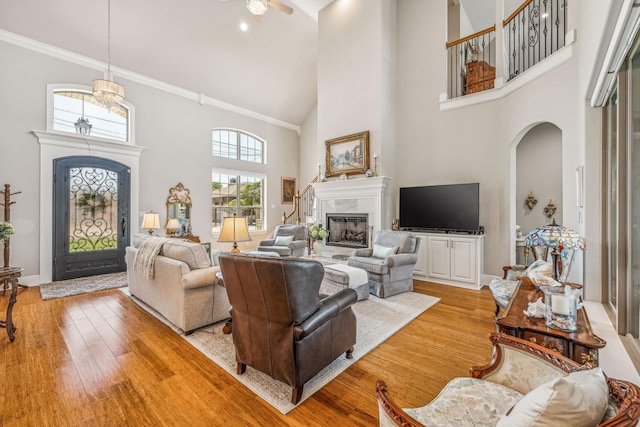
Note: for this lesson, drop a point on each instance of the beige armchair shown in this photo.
(523, 384)
(288, 241)
(389, 263)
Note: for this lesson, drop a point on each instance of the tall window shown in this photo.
(234, 144)
(239, 194)
(72, 106)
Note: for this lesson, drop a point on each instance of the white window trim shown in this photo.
(261, 176)
(60, 87)
(253, 135)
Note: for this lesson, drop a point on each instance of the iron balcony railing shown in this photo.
(469, 62)
(532, 33)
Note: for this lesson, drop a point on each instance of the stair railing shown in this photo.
(302, 205)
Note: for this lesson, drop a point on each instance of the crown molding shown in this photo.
(85, 61)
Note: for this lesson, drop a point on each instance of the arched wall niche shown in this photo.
(536, 168)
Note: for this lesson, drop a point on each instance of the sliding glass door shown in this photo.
(621, 163)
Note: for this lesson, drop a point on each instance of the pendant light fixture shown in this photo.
(106, 91)
(82, 124)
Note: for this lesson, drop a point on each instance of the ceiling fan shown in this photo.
(259, 7)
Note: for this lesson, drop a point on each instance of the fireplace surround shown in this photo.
(371, 196)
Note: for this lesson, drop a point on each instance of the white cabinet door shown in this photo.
(463, 260)
(438, 257)
(420, 269)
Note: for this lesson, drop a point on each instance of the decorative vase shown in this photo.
(318, 246)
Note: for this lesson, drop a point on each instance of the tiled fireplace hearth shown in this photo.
(356, 199)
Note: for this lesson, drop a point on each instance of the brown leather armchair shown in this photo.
(281, 326)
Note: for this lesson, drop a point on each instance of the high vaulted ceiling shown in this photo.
(193, 44)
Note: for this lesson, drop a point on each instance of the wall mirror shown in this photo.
(179, 207)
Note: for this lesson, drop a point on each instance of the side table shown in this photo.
(10, 274)
(580, 345)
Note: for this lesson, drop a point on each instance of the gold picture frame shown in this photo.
(348, 154)
(288, 186)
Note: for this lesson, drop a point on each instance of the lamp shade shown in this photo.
(173, 223)
(150, 221)
(234, 229)
(554, 236)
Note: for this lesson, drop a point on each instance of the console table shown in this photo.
(10, 274)
(580, 345)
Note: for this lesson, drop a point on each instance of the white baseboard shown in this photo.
(30, 280)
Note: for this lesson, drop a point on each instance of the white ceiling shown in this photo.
(193, 44)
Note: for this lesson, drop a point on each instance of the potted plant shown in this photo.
(6, 230)
(318, 235)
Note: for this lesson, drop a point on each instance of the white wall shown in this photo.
(176, 134)
(477, 143)
(356, 75)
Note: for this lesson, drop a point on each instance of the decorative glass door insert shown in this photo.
(93, 208)
(91, 211)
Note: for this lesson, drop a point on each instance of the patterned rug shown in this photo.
(377, 318)
(83, 285)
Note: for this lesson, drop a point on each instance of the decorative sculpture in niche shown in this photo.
(179, 207)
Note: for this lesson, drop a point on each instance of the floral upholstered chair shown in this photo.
(523, 384)
(502, 289)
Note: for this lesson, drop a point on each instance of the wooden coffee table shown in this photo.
(580, 345)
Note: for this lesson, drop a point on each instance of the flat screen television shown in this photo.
(453, 207)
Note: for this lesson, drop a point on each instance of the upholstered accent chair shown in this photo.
(503, 289)
(289, 240)
(389, 263)
(280, 324)
(523, 384)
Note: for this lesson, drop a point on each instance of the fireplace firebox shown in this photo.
(349, 230)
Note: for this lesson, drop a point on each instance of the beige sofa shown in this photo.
(182, 288)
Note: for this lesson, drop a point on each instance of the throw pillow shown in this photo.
(283, 240)
(577, 399)
(383, 251)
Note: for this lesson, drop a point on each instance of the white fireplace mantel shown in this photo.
(360, 195)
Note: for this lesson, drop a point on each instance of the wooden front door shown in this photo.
(91, 216)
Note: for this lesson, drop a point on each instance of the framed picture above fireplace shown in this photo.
(348, 154)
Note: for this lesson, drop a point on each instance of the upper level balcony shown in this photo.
(504, 53)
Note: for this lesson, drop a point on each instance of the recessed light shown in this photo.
(244, 26)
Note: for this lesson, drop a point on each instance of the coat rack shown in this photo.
(7, 217)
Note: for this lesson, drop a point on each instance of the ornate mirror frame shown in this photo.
(179, 207)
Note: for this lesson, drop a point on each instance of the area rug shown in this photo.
(83, 285)
(377, 320)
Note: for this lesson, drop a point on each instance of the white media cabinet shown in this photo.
(450, 259)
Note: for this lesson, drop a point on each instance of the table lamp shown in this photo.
(151, 221)
(173, 225)
(557, 238)
(234, 229)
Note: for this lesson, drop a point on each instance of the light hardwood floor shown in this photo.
(99, 359)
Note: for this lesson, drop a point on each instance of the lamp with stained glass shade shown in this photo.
(557, 238)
